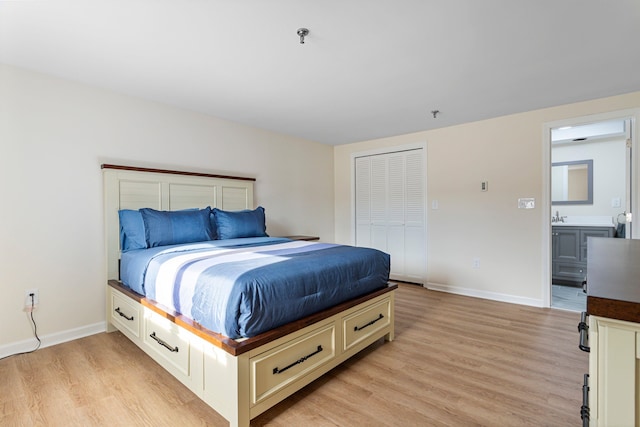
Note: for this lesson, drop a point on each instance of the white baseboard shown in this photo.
(52, 339)
(96, 328)
(495, 296)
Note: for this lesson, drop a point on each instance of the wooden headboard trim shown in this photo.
(174, 172)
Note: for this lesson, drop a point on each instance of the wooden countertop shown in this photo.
(613, 281)
(613, 309)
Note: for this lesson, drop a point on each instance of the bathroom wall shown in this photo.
(608, 175)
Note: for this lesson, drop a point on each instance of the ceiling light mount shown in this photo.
(302, 32)
(435, 113)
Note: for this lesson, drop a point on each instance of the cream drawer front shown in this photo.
(614, 371)
(365, 322)
(275, 369)
(125, 313)
(164, 339)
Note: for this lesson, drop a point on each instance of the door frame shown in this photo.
(633, 115)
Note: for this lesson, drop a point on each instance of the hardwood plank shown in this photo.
(455, 361)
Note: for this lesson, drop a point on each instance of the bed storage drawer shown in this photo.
(366, 322)
(166, 342)
(275, 369)
(125, 313)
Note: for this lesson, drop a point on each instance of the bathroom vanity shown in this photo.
(569, 247)
(613, 333)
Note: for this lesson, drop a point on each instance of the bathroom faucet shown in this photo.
(557, 218)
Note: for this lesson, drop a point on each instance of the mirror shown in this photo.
(572, 183)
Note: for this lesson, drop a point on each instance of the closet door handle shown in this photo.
(583, 328)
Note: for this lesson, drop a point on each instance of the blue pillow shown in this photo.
(247, 223)
(131, 230)
(174, 227)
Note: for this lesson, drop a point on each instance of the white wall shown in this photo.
(506, 151)
(55, 134)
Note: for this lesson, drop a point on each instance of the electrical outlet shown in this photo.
(476, 263)
(616, 202)
(29, 303)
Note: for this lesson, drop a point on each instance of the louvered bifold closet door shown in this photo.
(415, 216)
(379, 176)
(396, 212)
(390, 213)
(363, 201)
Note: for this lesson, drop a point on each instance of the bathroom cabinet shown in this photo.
(569, 252)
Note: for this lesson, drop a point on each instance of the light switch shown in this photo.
(527, 203)
(434, 204)
(484, 186)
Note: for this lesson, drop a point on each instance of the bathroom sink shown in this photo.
(585, 221)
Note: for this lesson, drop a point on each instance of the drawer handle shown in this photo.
(359, 328)
(583, 328)
(302, 359)
(584, 409)
(117, 310)
(163, 343)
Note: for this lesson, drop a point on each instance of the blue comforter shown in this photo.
(243, 287)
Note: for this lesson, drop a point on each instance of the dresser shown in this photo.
(613, 309)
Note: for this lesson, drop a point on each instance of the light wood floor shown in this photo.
(456, 361)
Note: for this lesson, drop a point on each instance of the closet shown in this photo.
(390, 209)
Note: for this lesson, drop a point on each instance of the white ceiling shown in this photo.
(368, 69)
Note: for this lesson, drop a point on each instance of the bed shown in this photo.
(240, 365)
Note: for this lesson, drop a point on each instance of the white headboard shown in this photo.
(134, 188)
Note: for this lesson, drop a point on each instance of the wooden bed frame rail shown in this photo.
(237, 347)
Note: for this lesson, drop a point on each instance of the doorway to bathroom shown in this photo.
(591, 191)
